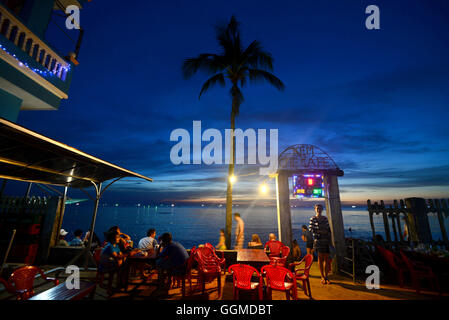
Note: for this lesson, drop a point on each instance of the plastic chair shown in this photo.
(221, 259)
(394, 262)
(208, 267)
(241, 279)
(420, 271)
(281, 261)
(274, 247)
(21, 281)
(188, 274)
(302, 274)
(277, 279)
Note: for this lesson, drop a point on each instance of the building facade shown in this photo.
(34, 75)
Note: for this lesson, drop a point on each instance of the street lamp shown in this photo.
(232, 179)
(263, 188)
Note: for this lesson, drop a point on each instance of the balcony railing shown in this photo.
(16, 32)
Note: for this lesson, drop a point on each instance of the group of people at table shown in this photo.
(169, 256)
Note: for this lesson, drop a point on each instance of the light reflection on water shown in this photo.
(196, 225)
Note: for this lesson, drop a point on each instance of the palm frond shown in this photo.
(208, 62)
(258, 75)
(255, 57)
(228, 37)
(218, 78)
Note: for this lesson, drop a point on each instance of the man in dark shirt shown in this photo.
(172, 259)
(307, 237)
(319, 226)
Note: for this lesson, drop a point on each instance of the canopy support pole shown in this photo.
(86, 254)
(28, 190)
(98, 195)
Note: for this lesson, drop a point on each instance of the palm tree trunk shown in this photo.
(229, 188)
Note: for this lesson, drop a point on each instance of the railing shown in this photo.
(411, 218)
(350, 260)
(16, 32)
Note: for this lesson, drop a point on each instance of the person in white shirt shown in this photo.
(149, 242)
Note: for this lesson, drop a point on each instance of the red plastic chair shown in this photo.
(302, 274)
(282, 260)
(274, 247)
(208, 267)
(241, 279)
(21, 281)
(420, 271)
(394, 262)
(221, 259)
(188, 275)
(280, 279)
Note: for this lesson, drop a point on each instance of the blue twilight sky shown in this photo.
(376, 100)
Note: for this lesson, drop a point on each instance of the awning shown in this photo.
(28, 156)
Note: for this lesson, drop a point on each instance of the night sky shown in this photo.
(376, 100)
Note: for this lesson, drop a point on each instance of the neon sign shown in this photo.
(308, 186)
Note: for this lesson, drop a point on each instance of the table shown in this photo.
(253, 257)
(137, 261)
(61, 292)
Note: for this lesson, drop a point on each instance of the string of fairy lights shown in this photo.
(44, 73)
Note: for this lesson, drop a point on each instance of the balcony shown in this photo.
(31, 69)
(24, 39)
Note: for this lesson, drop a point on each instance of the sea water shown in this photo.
(196, 225)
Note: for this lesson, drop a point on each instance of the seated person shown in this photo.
(149, 243)
(77, 242)
(273, 246)
(172, 258)
(62, 242)
(222, 241)
(125, 243)
(111, 257)
(95, 240)
(255, 242)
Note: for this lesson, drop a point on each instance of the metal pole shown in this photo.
(28, 190)
(94, 217)
(353, 261)
(61, 217)
(92, 225)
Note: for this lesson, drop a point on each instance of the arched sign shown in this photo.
(315, 175)
(307, 158)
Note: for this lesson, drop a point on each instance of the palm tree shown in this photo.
(238, 65)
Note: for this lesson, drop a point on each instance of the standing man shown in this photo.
(239, 232)
(319, 226)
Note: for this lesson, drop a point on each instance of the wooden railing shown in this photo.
(32, 45)
(411, 216)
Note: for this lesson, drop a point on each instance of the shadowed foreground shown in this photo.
(341, 288)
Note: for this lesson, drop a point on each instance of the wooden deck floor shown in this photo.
(341, 288)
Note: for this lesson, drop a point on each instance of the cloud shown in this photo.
(437, 176)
